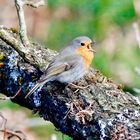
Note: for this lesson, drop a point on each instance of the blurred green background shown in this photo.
(111, 24)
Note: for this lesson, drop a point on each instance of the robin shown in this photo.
(70, 64)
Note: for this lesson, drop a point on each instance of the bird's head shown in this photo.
(84, 47)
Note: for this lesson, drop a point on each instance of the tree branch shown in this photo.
(101, 111)
(31, 54)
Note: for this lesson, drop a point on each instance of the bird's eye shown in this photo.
(82, 44)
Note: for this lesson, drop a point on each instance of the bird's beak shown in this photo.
(92, 50)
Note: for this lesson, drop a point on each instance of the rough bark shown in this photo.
(100, 111)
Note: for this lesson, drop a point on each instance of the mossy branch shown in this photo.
(101, 111)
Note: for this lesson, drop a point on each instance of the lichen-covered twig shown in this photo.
(9, 39)
(22, 25)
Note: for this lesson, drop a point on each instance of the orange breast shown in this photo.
(87, 56)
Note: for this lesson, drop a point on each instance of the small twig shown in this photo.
(4, 125)
(137, 32)
(33, 4)
(13, 134)
(10, 132)
(67, 113)
(77, 87)
(80, 116)
(22, 25)
(23, 32)
(17, 93)
(9, 98)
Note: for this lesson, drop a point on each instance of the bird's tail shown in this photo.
(37, 85)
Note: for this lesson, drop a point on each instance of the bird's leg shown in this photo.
(77, 87)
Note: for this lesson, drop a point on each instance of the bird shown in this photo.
(71, 64)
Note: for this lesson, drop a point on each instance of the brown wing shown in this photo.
(54, 69)
(50, 72)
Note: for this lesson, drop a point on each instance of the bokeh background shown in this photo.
(113, 24)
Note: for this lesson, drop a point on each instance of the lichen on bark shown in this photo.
(100, 111)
